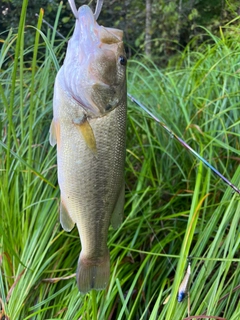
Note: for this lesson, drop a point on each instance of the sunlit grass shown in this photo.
(174, 206)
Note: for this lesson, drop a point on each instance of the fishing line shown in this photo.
(183, 143)
(51, 27)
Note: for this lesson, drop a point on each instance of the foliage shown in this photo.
(174, 22)
(174, 206)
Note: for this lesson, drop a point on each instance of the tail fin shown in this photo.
(93, 274)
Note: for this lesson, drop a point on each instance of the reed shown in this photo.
(175, 207)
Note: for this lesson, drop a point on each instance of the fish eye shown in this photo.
(122, 60)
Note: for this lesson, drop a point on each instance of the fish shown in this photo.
(89, 129)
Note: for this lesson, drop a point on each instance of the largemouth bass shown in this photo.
(89, 128)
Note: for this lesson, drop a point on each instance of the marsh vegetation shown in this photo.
(175, 207)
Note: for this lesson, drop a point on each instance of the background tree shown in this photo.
(159, 27)
(148, 28)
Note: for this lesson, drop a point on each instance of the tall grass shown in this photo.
(174, 206)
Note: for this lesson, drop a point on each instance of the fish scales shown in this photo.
(93, 181)
(89, 127)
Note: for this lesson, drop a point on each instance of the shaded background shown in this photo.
(160, 28)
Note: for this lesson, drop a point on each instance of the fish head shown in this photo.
(95, 65)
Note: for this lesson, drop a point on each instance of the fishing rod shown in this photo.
(171, 133)
(183, 143)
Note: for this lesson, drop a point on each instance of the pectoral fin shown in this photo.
(87, 133)
(117, 215)
(65, 219)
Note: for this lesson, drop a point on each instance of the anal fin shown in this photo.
(65, 219)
